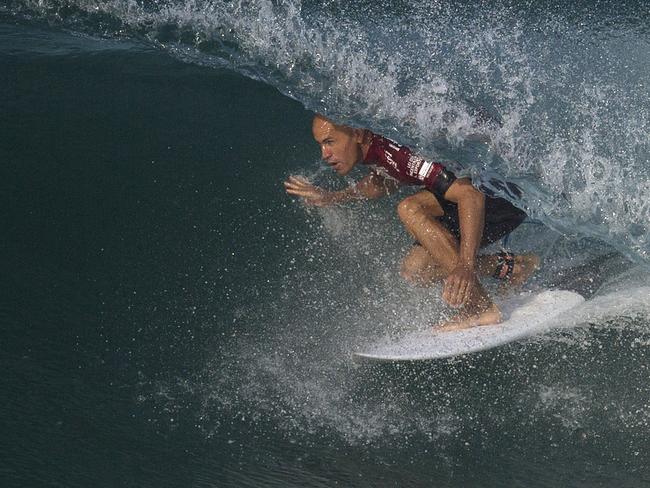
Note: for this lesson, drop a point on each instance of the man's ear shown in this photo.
(358, 135)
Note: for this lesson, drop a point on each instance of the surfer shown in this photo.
(450, 218)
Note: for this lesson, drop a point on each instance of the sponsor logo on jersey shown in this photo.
(389, 159)
(413, 166)
(425, 170)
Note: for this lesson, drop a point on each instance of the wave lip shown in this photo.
(557, 95)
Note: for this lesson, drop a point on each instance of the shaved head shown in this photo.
(323, 123)
(342, 146)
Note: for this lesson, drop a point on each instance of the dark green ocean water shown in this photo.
(169, 317)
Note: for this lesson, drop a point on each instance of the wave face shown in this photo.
(558, 91)
(171, 317)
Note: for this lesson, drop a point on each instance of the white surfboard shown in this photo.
(525, 315)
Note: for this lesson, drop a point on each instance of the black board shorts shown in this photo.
(501, 218)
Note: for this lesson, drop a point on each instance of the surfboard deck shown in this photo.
(526, 315)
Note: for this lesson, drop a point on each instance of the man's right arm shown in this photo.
(369, 187)
(375, 186)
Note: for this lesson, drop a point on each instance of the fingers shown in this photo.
(457, 291)
(297, 182)
(301, 187)
(450, 292)
(298, 186)
(299, 192)
(300, 179)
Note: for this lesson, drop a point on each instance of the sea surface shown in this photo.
(169, 317)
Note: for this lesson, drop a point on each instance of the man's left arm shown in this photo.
(471, 215)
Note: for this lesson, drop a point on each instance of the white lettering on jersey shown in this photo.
(390, 159)
(413, 166)
(425, 170)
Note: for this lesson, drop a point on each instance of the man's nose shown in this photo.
(326, 153)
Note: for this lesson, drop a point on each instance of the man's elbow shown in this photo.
(465, 192)
(474, 195)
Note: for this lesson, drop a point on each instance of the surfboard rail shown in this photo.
(528, 314)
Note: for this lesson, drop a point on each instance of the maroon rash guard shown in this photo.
(389, 159)
(398, 162)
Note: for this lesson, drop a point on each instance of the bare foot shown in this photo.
(489, 316)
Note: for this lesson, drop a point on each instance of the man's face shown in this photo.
(340, 146)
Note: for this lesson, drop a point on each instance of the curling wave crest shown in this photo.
(555, 100)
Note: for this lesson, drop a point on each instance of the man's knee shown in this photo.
(417, 268)
(411, 272)
(416, 204)
(406, 208)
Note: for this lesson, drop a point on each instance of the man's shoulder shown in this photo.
(382, 149)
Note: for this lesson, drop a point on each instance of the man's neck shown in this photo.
(365, 144)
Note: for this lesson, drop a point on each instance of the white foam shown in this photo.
(573, 102)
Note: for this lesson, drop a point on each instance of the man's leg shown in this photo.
(419, 214)
(419, 268)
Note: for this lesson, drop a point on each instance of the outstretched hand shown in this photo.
(311, 194)
(459, 285)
